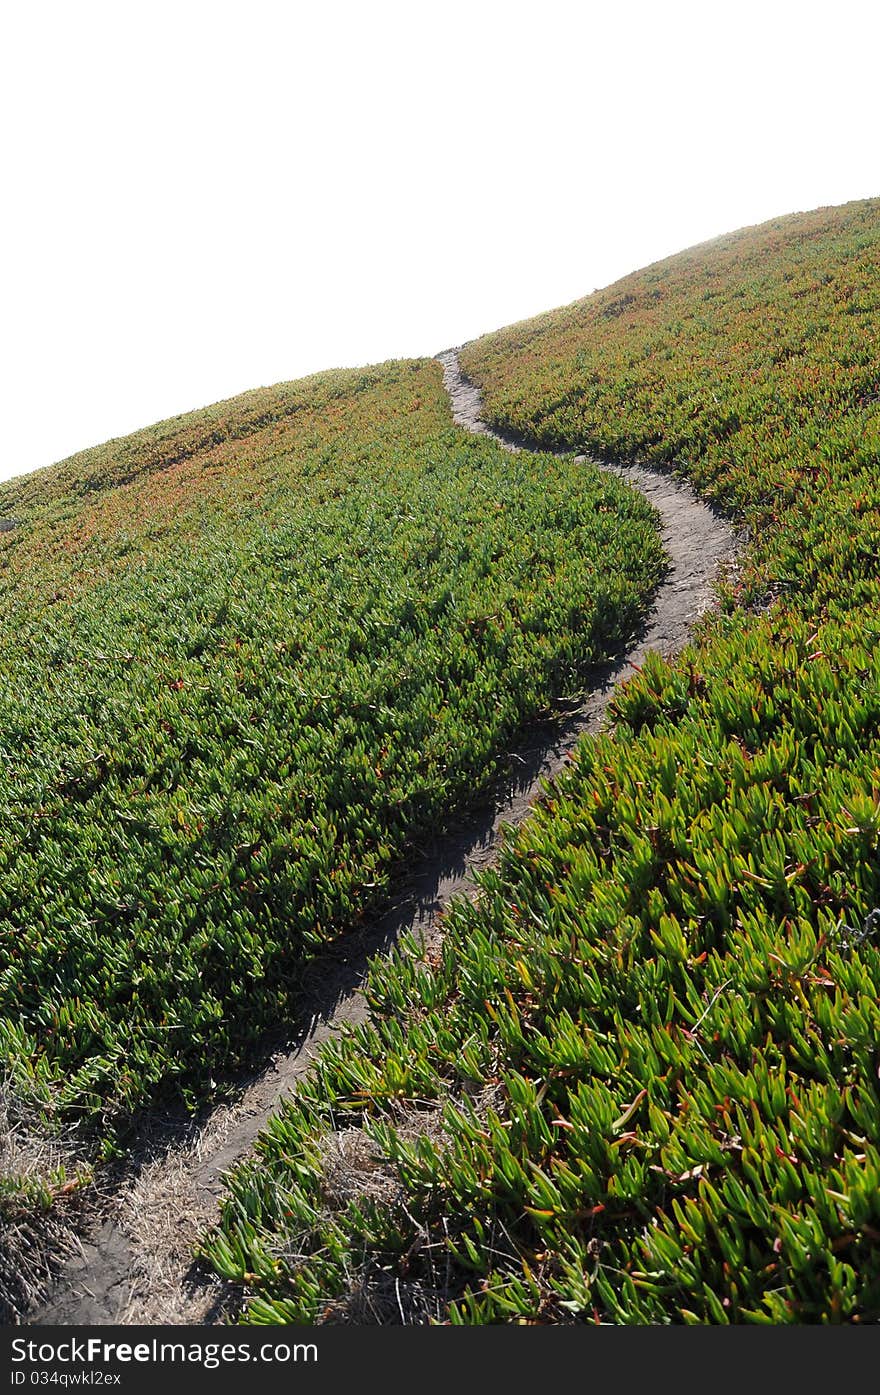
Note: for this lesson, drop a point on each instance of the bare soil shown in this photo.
(133, 1261)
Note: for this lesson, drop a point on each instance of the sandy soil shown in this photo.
(134, 1264)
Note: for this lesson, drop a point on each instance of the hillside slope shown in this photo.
(639, 1083)
(248, 658)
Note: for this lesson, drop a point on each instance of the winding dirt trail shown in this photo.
(135, 1263)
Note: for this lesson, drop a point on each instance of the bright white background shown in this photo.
(203, 196)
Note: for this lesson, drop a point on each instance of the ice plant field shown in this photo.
(640, 1081)
(248, 658)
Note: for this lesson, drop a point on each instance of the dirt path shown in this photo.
(135, 1264)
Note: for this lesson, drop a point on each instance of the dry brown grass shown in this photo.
(422, 1286)
(164, 1212)
(355, 1170)
(41, 1179)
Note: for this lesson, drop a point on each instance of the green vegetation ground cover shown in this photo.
(640, 1081)
(248, 658)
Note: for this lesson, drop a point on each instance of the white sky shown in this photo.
(203, 196)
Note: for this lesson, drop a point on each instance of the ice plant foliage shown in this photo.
(647, 1059)
(248, 658)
